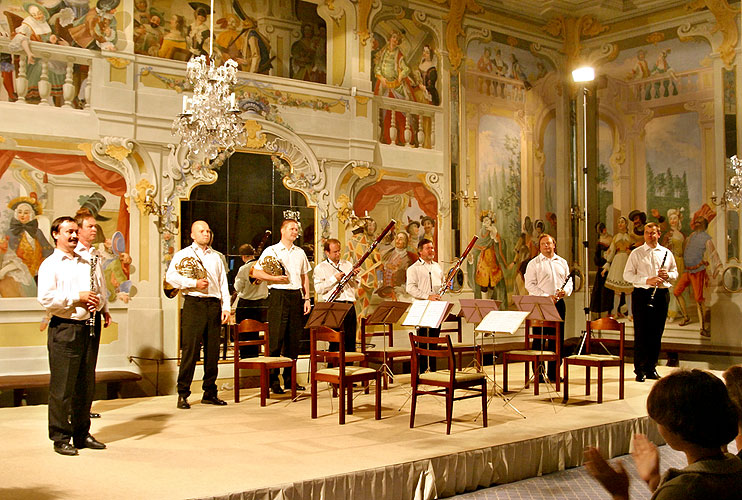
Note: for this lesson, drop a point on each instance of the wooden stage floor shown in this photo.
(243, 451)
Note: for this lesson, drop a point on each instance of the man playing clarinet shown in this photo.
(651, 269)
(327, 276)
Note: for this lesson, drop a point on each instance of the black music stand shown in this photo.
(387, 314)
(473, 311)
(540, 308)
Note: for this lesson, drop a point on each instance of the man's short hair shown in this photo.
(545, 235)
(287, 222)
(247, 249)
(651, 225)
(695, 405)
(422, 243)
(82, 214)
(330, 241)
(58, 222)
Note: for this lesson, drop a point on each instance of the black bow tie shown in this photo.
(17, 227)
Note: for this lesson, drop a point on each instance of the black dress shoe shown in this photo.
(65, 448)
(94, 415)
(212, 399)
(183, 403)
(276, 388)
(653, 375)
(640, 377)
(298, 388)
(90, 442)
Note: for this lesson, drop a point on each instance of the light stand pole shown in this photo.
(585, 75)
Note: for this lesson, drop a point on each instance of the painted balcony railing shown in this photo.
(669, 85)
(57, 75)
(405, 123)
(493, 85)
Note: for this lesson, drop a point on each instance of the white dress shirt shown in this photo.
(544, 276)
(244, 288)
(645, 262)
(325, 282)
(294, 260)
(215, 274)
(424, 279)
(62, 278)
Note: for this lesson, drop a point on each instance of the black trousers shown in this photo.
(73, 354)
(350, 324)
(285, 311)
(550, 345)
(250, 309)
(201, 324)
(425, 362)
(649, 324)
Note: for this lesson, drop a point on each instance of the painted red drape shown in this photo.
(59, 164)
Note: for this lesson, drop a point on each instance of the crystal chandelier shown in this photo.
(732, 197)
(210, 125)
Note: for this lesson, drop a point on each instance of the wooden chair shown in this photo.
(340, 375)
(387, 355)
(262, 362)
(590, 358)
(452, 325)
(535, 356)
(446, 381)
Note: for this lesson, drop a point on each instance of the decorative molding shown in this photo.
(454, 20)
(118, 62)
(726, 23)
(364, 13)
(705, 110)
(253, 140)
(572, 30)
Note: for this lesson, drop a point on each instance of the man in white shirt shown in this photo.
(288, 298)
(327, 275)
(64, 289)
(546, 276)
(424, 280)
(651, 269)
(206, 307)
(251, 295)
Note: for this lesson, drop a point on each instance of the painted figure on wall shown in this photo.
(363, 235)
(395, 262)
(429, 75)
(702, 265)
(15, 280)
(487, 262)
(198, 31)
(174, 43)
(674, 239)
(601, 300)
(616, 258)
(303, 53)
(97, 29)
(26, 239)
(148, 35)
(258, 52)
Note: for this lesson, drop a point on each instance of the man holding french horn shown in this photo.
(199, 273)
(285, 267)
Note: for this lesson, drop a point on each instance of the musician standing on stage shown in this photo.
(546, 276)
(424, 280)
(288, 299)
(251, 293)
(327, 275)
(651, 269)
(205, 308)
(65, 290)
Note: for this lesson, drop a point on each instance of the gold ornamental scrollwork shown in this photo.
(364, 11)
(118, 62)
(143, 187)
(255, 138)
(117, 152)
(726, 23)
(454, 20)
(345, 209)
(572, 30)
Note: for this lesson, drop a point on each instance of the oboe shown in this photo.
(93, 267)
(654, 290)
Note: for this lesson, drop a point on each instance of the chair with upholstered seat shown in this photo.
(263, 362)
(340, 374)
(446, 382)
(536, 357)
(599, 361)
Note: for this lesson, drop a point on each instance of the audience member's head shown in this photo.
(733, 378)
(695, 406)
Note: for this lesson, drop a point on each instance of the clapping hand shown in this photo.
(614, 480)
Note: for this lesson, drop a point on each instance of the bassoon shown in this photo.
(93, 289)
(344, 281)
(452, 272)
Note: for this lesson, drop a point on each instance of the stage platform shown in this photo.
(243, 451)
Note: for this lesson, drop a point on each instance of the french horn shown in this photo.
(273, 266)
(188, 267)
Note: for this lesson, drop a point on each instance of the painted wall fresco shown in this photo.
(34, 190)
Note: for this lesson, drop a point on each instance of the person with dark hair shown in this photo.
(695, 415)
(601, 300)
(288, 298)
(327, 275)
(546, 276)
(424, 280)
(199, 272)
(251, 295)
(651, 269)
(733, 378)
(70, 287)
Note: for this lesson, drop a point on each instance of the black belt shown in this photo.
(204, 299)
(286, 290)
(60, 319)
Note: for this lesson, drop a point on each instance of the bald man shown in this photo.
(205, 307)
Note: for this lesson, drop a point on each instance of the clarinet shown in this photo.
(91, 319)
(654, 290)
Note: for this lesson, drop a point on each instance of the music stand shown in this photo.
(473, 311)
(539, 308)
(387, 314)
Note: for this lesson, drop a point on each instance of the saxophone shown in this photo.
(93, 267)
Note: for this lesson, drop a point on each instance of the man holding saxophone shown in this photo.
(199, 273)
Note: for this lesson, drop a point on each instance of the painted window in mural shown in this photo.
(35, 188)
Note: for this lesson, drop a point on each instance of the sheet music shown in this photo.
(427, 313)
(502, 322)
(415, 313)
